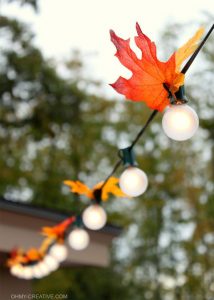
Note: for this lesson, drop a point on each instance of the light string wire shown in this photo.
(98, 192)
(154, 113)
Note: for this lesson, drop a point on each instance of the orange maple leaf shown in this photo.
(46, 244)
(33, 254)
(148, 73)
(16, 257)
(79, 188)
(58, 231)
(188, 48)
(110, 187)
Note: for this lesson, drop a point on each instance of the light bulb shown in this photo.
(59, 252)
(27, 273)
(37, 271)
(16, 270)
(78, 239)
(43, 268)
(51, 262)
(133, 182)
(180, 122)
(94, 217)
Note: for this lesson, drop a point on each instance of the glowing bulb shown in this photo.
(133, 182)
(20, 272)
(37, 272)
(94, 217)
(16, 270)
(43, 268)
(180, 122)
(78, 239)
(59, 252)
(27, 273)
(51, 262)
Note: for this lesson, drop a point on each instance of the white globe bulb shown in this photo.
(44, 269)
(16, 270)
(94, 217)
(59, 252)
(27, 273)
(78, 239)
(51, 262)
(133, 182)
(37, 271)
(180, 122)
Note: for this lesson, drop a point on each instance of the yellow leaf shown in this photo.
(187, 49)
(179, 81)
(45, 244)
(49, 232)
(112, 187)
(79, 188)
(33, 254)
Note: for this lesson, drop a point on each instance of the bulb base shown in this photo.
(180, 97)
(97, 196)
(127, 156)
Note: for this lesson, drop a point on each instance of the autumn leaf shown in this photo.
(33, 254)
(58, 231)
(79, 188)
(148, 73)
(187, 49)
(111, 187)
(16, 257)
(45, 244)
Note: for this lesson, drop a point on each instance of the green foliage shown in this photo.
(45, 120)
(84, 283)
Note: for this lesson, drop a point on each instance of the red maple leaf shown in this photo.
(58, 230)
(148, 73)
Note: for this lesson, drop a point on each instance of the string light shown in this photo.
(94, 217)
(59, 252)
(44, 269)
(133, 181)
(51, 262)
(27, 272)
(16, 270)
(179, 122)
(78, 239)
(37, 271)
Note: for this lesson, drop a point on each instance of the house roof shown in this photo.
(47, 214)
(21, 227)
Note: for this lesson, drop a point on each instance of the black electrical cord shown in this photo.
(154, 113)
(192, 58)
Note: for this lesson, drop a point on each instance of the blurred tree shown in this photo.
(33, 3)
(172, 244)
(50, 128)
(86, 283)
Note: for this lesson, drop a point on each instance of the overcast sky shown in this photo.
(84, 24)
